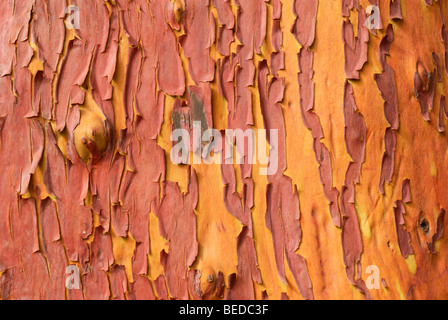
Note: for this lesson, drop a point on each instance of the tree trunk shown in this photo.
(115, 186)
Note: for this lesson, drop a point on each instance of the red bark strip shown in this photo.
(94, 24)
(277, 57)
(276, 9)
(311, 121)
(7, 49)
(439, 232)
(53, 249)
(101, 255)
(29, 274)
(145, 24)
(442, 112)
(177, 224)
(170, 73)
(25, 157)
(141, 175)
(388, 162)
(444, 36)
(42, 99)
(106, 174)
(305, 24)
(153, 64)
(388, 89)
(241, 286)
(227, 24)
(355, 140)
(149, 34)
(220, 285)
(395, 10)
(347, 5)
(74, 70)
(37, 148)
(403, 237)
(120, 220)
(435, 59)
(141, 289)
(20, 20)
(225, 14)
(75, 219)
(160, 285)
(251, 33)
(105, 178)
(118, 282)
(424, 89)
(130, 12)
(48, 32)
(96, 281)
(103, 70)
(16, 154)
(132, 81)
(283, 210)
(406, 191)
(194, 284)
(386, 81)
(355, 48)
(199, 26)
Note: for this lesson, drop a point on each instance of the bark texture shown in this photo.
(355, 210)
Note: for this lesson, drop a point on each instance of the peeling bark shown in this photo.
(92, 207)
